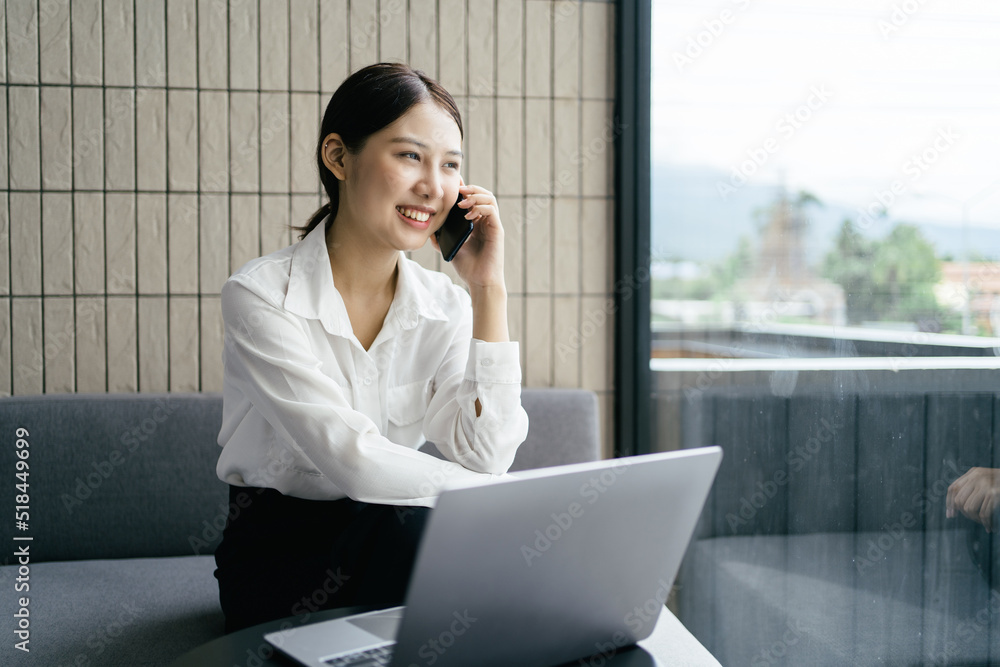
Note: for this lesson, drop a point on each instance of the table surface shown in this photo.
(670, 644)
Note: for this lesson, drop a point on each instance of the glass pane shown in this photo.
(826, 308)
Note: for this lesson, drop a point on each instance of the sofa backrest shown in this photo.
(133, 475)
(117, 475)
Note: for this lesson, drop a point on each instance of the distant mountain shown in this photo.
(983, 242)
(692, 221)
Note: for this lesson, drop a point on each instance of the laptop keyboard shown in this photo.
(373, 657)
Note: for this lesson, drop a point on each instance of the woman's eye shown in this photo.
(415, 156)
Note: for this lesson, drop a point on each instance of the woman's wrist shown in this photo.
(489, 313)
(487, 293)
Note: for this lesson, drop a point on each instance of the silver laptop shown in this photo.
(546, 567)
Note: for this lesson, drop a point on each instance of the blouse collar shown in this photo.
(312, 294)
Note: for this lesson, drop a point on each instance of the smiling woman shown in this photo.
(342, 357)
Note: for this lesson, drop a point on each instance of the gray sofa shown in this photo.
(125, 513)
(824, 540)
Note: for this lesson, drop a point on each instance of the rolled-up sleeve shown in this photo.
(491, 373)
(268, 358)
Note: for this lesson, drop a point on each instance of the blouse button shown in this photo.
(368, 380)
(487, 362)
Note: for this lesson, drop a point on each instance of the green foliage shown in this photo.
(890, 279)
(806, 198)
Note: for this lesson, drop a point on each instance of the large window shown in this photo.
(825, 232)
(838, 158)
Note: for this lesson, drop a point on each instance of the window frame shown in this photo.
(632, 411)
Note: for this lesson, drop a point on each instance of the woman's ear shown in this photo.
(334, 154)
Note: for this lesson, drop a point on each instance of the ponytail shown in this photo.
(327, 209)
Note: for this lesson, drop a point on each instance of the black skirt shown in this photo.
(282, 556)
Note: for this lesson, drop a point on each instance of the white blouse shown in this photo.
(309, 412)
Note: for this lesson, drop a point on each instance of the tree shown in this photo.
(907, 269)
(849, 265)
(891, 279)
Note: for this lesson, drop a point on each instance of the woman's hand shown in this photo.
(479, 261)
(975, 494)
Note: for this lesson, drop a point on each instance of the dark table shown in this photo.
(670, 644)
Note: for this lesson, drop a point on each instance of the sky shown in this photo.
(844, 98)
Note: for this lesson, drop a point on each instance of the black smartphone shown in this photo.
(455, 230)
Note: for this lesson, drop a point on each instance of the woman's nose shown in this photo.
(431, 185)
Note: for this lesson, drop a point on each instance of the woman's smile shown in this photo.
(419, 219)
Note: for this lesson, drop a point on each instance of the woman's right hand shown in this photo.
(975, 494)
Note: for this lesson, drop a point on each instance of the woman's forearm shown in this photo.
(489, 314)
(489, 318)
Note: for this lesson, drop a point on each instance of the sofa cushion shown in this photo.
(870, 598)
(131, 612)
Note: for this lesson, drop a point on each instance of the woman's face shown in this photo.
(400, 187)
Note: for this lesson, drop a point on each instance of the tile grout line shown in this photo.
(10, 256)
(135, 183)
(166, 174)
(41, 234)
(73, 195)
(104, 195)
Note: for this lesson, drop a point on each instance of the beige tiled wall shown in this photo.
(152, 147)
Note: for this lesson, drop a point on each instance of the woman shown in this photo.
(341, 355)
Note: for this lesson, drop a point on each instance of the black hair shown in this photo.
(367, 101)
